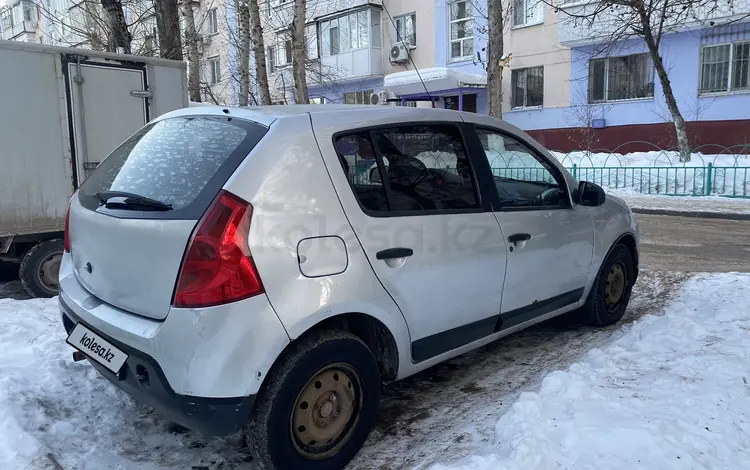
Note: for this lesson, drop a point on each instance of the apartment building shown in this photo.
(433, 52)
(616, 97)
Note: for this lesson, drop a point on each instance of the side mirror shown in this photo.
(590, 194)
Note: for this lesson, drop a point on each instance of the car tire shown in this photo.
(40, 268)
(611, 291)
(326, 387)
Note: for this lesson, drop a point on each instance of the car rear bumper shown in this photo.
(214, 416)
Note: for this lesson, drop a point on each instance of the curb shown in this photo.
(695, 214)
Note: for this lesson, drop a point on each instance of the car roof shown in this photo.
(268, 114)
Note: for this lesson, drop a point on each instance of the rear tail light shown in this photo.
(217, 267)
(67, 228)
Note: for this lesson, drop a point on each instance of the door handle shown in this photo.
(391, 253)
(519, 237)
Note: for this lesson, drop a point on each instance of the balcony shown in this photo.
(351, 45)
(574, 31)
(16, 31)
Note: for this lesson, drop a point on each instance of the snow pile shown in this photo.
(55, 412)
(715, 204)
(672, 392)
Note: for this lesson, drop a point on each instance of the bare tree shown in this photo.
(119, 38)
(299, 52)
(168, 28)
(608, 23)
(243, 10)
(259, 50)
(193, 54)
(583, 115)
(496, 28)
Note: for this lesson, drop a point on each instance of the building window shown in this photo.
(528, 87)
(6, 19)
(283, 49)
(461, 30)
(213, 21)
(271, 59)
(30, 12)
(725, 67)
(406, 29)
(527, 12)
(318, 100)
(345, 33)
(214, 70)
(358, 97)
(311, 41)
(375, 28)
(621, 78)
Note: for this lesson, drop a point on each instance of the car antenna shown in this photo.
(408, 54)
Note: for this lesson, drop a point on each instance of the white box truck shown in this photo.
(61, 112)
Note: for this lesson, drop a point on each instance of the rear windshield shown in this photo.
(175, 161)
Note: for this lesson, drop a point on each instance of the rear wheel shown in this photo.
(611, 291)
(318, 405)
(39, 271)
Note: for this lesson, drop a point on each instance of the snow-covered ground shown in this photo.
(648, 390)
(55, 413)
(710, 204)
(671, 392)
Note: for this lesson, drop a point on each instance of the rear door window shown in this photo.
(409, 169)
(182, 162)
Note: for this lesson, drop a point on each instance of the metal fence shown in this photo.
(671, 181)
(667, 181)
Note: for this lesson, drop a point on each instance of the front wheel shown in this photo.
(611, 291)
(318, 405)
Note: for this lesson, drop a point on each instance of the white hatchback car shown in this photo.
(266, 269)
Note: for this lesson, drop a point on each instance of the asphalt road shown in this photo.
(689, 244)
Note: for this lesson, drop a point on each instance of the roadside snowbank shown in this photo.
(715, 204)
(672, 392)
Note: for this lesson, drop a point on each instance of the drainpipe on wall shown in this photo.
(460, 98)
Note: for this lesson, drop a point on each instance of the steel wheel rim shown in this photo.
(614, 289)
(326, 411)
(49, 271)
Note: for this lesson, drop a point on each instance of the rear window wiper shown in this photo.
(131, 201)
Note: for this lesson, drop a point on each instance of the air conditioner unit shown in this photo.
(399, 52)
(382, 97)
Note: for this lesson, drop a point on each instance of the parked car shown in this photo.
(227, 267)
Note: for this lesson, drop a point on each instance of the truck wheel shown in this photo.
(40, 268)
(317, 406)
(610, 293)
